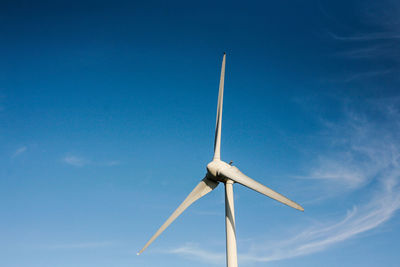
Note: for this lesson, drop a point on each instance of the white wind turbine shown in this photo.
(220, 171)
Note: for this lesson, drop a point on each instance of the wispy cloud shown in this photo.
(383, 50)
(367, 75)
(81, 161)
(370, 47)
(192, 251)
(75, 161)
(372, 153)
(334, 172)
(19, 151)
(368, 164)
(317, 238)
(367, 36)
(359, 219)
(376, 42)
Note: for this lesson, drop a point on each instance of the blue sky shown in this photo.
(107, 116)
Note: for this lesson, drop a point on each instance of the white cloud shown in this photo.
(80, 161)
(367, 36)
(75, 161)
(19, 151)
(339, 172)
(369, 155)
(360, 219)
(194, 252)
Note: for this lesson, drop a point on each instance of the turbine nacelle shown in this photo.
(214, 169)
(220, 171)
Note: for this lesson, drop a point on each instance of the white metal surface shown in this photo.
(218, 124)
(220, 171)
(231, 250)
(202, 189)
(236, 175)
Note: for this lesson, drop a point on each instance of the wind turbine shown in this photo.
(219, 171)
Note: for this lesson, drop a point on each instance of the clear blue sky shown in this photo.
(107, 116)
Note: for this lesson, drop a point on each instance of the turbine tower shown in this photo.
(219, 171)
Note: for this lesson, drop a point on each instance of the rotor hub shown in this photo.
(214, 168)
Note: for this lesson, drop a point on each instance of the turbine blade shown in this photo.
(203, 188)
(217, 139)
(237, 176)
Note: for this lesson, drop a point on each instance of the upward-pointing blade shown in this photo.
(217, 140)
(202, 189)
(237, 176)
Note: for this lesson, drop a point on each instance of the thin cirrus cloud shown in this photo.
(192, 251)
(370, 47)
(19, 151)
(318, 238)
(367, 75)
(81, 162)
(371, 154)
(367, 36)
(377, 43)
(378, 152)
(75, 161)
(382, 50)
